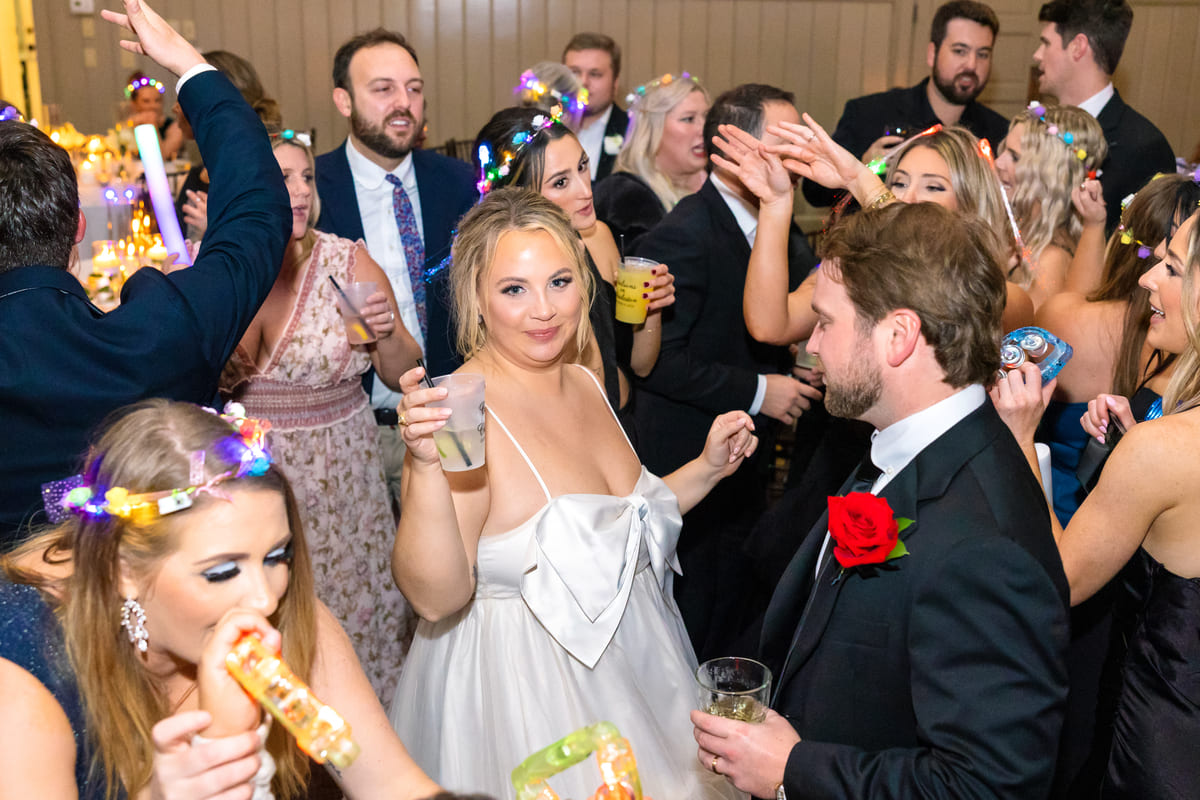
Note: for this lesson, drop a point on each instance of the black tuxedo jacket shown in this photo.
(447, 188)
(64, 364)
(943, 676)
(865, 118)
(709, 363)
(1136, 151)
(618, 125)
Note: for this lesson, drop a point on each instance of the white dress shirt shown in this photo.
(1096, 103)
(899, 443)
(382, 235)
(591, 139)
(746, 216)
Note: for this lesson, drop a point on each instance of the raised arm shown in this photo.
(773, 314)
(433, 559)
(1087, 265)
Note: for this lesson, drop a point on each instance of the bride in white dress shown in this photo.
(543, 580)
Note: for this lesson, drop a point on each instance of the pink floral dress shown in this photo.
(324, 438)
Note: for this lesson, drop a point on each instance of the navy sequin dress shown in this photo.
(31, 638)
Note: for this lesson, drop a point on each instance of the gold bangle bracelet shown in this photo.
(883, 198)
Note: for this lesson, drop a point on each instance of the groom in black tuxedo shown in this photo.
(938, 673)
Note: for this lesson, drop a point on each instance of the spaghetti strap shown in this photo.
(616, 419)
(521, 450)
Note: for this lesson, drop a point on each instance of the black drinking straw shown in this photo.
(462, 451)
(366, 325)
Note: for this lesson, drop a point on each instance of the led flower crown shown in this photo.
(246, 446)
(532, 89)
(1039, 111)
(495, 159)
(635, 97)
(290, 135)
(10, 113)
(141, 83)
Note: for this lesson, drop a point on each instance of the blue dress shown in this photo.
(31, 638)
(1061, 430)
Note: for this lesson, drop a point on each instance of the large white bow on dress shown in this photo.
(582, 558)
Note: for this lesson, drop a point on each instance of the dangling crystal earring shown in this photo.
(133, 620)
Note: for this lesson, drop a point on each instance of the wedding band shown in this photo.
(713, 765)
(403, 422)
(391, 316)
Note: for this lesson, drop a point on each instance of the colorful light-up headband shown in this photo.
(637, 94)
(290, 135)
(141, 83)
(1066, 137)
(880, 165)
(1126, 237)
(248, 443)
(495, 163)
(532, 89)
(11, 114)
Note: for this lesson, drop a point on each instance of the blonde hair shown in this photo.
(314, 209)
(148, 449)
(648, 118)
(474, 251)
(1183, 390)
(975, 183)
(1046, 172)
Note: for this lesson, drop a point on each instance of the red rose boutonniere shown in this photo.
(864, 530)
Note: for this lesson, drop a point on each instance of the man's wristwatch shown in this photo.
(780, 794)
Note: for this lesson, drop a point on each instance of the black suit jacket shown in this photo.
(618, 125)
(1136, 151)
(629, 207)
(64, 364)
(709, 363)
(447, 189)
(865, 118)
(943, 677)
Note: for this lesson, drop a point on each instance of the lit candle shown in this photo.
(106, 260)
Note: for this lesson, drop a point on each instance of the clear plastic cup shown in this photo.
(632, 277)
(358, 330)
(460, 442)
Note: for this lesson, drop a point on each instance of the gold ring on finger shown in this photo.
(403, 420)
(713, 765)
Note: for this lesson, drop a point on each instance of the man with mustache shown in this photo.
(960, 63)
(404, 202)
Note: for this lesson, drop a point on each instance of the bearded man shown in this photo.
(404, 202)
(959, 56)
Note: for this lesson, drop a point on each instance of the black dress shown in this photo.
(1156, 728)
(629, 207)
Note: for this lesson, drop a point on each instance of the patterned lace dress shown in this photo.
(323, 435)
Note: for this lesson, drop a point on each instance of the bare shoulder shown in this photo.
(37, 746)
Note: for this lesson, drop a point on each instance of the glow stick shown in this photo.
(146, 137)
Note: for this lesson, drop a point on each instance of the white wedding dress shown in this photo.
(572, 623)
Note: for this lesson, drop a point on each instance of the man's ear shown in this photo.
(930, 55)
(343, 101)
(81, 227)
(903, 330)
(1079, 47)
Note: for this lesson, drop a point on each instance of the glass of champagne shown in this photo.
(735, 688)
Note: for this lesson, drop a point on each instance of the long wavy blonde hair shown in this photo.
(148, 449)
(1046, 172)
(648, 119)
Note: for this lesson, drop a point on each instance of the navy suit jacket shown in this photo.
(943, 674)
(64, 364)
(865, 118)
(447, 189)
(709, 363)
(1136, 151)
